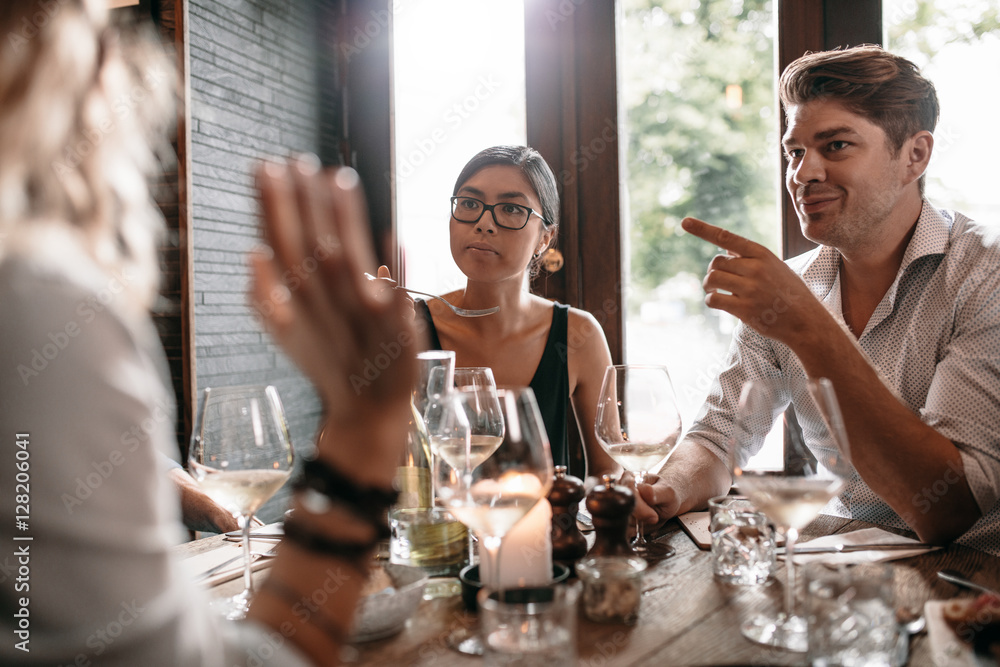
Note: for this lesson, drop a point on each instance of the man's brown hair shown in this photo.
(886, 89)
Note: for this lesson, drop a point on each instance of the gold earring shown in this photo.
(552, 260)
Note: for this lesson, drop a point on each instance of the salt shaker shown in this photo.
(568, 543)
(611, 506)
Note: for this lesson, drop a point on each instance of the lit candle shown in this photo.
(526, 554)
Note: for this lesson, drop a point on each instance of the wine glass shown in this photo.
(435, 377)
(482, 410)
(241, 454)
(478, 398)
(638, 424)
(785, 479)
(491, 495)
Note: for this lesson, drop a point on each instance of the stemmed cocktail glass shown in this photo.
(786, 480)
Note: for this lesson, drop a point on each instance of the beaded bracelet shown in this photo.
(368, 501)
(353, 552)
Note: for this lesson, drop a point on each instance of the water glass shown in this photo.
(531, 627)
(742, 541)
(851, 616)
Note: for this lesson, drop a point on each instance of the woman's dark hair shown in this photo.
(532, 165)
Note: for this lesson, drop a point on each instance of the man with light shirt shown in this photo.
(899, 307)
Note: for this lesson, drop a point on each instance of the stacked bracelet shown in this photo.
(329, 481)
(298, 534)
(319, 479)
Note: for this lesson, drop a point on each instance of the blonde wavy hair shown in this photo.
(85, 108)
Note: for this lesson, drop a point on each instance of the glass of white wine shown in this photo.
(490, 491)
(639, 425)
(790, 473)
(477, 396)
(241, 454)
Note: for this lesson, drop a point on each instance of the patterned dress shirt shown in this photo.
(935, 341)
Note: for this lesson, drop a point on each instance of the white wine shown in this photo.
(790, 502)
(452, 450)
(243, 491)
(639, 457)
(492, 515)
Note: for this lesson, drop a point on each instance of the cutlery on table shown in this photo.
(847, 548)
(910, 623)
(255, 536)
(461, 312)
(275, 532)
(955, 577)
(223, 565)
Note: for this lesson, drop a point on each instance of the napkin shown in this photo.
(203, 562)
(864, 536)
(947, 650)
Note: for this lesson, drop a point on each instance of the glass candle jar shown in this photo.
(612, 588)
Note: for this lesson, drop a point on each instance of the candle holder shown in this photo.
(471, 583)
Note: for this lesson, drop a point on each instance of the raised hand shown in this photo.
(357, 347)
(753, 284)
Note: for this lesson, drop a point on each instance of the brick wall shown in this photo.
(254, 77)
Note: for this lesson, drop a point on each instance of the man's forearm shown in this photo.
(895, 453)
(690, 477)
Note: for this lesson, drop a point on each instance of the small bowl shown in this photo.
(469, 576)
(385, 613)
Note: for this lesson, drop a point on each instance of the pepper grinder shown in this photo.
(568, 543)
(611, 506)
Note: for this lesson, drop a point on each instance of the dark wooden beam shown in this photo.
(572, 111)
(364, 54)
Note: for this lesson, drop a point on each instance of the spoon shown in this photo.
(461, 312)
(910, 624)
(953, 577)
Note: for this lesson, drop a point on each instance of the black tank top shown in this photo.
(550, 382)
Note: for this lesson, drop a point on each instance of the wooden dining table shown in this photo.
(687, 617)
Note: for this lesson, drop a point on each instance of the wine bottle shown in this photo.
(413, 475)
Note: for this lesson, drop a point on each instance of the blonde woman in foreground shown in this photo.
(77, 223)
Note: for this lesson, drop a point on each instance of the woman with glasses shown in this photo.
(504, 215)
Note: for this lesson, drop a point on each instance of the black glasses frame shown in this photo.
(490, 207)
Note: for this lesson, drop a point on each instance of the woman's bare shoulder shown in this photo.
(583, 320)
